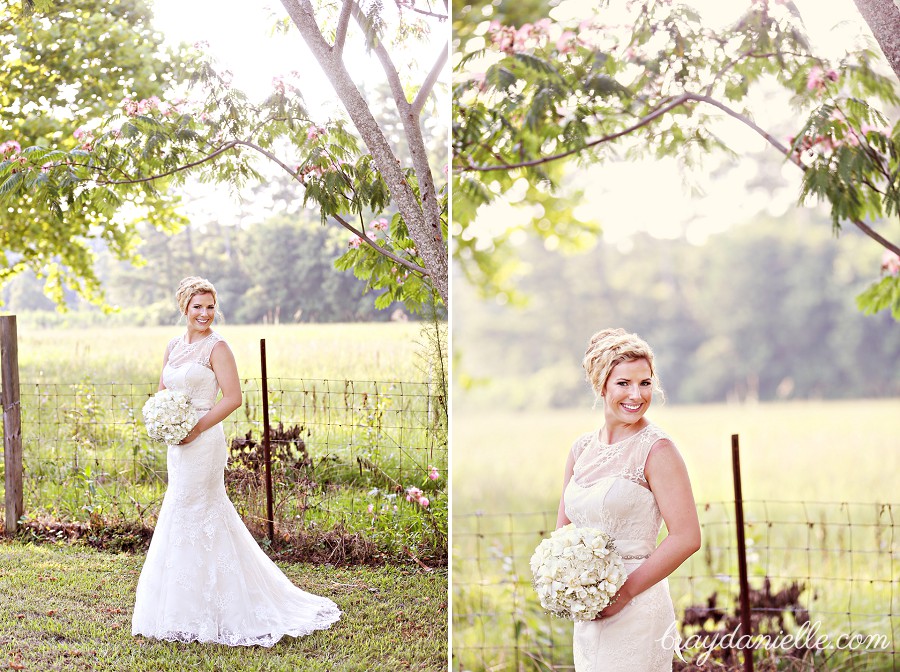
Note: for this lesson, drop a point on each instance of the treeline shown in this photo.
(763, 311)
(280, 270)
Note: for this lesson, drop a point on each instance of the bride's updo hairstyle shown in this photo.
(610, 347)
(189, 288)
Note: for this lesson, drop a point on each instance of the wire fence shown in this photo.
(343, 454)
(831, 566)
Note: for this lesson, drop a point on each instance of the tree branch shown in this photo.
(883, 18)
(430, 81)
(675, 102)
(341, 34)
(423, 12)
(877, 237)
(371, 243)
(187, 166)
(643, 121)
(390, 70)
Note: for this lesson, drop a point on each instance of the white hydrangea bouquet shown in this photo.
(169, 416)
(577, 572)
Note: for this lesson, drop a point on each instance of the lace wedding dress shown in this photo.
(205, 578)
(608, 491)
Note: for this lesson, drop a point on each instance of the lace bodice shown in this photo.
(188, 369)
(608, 489)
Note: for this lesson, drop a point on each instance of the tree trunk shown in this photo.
(883, 17)
(422, 229)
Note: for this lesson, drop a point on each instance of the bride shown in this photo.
(205, 579)
(625, 480)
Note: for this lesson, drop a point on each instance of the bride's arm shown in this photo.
(561, 517)
(221, 360)
(667, 475)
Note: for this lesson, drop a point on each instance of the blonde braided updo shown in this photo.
(190, 287)
(610, 347)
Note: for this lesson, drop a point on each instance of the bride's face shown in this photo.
(201, 310)
(628, 391)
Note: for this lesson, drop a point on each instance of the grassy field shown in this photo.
(358, 397)
(369, 351)
(507, 477)
(69, 608)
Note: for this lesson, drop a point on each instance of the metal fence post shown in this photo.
(746, 626)
(12, 422)
(267, 453)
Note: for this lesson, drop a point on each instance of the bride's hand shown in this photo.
(193, 434)
(619, 603)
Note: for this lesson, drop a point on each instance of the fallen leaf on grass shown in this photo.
(20, 616)
(51, 612)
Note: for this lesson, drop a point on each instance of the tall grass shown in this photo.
(508, 468)
(353, 407)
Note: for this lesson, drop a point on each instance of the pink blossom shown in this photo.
(413, 493)
(278, 83)
(10, 147)
(312, 132)
(380, 224)
(832, 75)
(566, 42)
(815, 81)
(433, 473)
(543, 25)
(130, 107)
(866, 128)
(201, 44)
(371, 508)
(423, 502)
(890, 262)
(47, 166)
(355, 242)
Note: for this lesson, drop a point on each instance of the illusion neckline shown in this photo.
(627, 438)
(199, 340)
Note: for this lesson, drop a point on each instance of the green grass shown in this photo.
(69, 608)
(359, 351)
(366, 407)
(508, 466)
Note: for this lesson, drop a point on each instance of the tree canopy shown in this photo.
(346, 168)
(530, 97)
(63, 67)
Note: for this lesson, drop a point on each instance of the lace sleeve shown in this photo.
(208, 346)
(580, 444)
(648, 440)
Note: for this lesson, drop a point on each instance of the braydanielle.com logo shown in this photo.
(807, 637)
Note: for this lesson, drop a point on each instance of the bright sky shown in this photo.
(240, 36)
(650, 195)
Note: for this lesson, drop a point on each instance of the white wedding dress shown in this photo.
(205, 579)
(608, 491)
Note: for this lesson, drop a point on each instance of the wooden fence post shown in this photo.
(12, 422)
(746, 625)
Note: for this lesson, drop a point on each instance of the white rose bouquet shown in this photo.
(169, 416)
(577, 572)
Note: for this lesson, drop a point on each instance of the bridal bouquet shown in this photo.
(577, 572)
(169, 416)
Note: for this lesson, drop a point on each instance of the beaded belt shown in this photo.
(636, 557)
